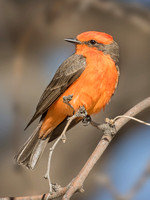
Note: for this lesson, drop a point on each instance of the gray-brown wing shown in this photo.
(65, 75)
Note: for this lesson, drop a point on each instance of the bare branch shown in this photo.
(132, 112)
(77, 183)
(63, 138)
(81, 112)
(133, 118)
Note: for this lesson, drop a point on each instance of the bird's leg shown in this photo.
(86, 120)
(67, 99)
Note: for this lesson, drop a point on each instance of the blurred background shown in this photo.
(32, 47)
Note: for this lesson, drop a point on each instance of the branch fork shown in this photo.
(110, 128)
(80, 113)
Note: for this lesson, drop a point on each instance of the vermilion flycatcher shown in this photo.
(90, 75)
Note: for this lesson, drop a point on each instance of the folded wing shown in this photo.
(66, 74)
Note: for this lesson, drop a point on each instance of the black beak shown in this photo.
(73, 40)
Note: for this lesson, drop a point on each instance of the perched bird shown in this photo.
(90, 75)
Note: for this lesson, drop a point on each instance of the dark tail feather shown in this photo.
(31, 151)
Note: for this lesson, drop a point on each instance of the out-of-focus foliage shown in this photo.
(31, 49)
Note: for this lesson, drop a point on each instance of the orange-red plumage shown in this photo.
(90, 75)
(93, 89)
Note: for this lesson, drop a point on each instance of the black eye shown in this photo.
(92, 42)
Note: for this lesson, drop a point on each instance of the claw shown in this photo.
(82, 111)
(86, 120)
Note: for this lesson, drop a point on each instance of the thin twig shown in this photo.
(77, 183)
(63, 138)
(133, 118)
(81, 112)
(132, 112)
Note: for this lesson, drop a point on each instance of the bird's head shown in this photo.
(97, 41)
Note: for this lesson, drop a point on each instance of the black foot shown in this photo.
(82, 111)
(86, 120)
